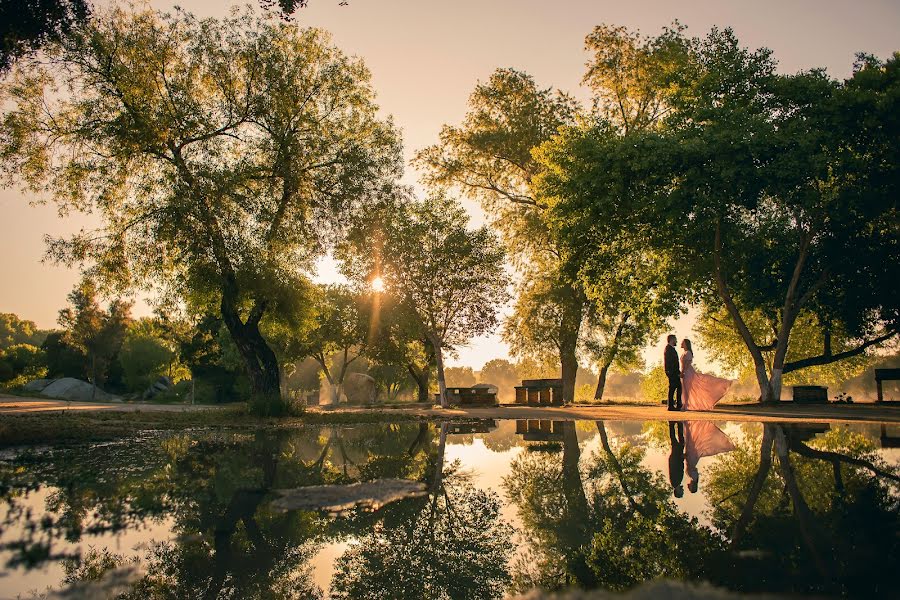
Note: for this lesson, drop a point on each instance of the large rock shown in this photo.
(37, 385)
(159, 386)
(360, 388)
(69, 388)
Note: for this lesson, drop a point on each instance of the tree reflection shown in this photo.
(824, 520)
(451, 544)
(216, 490)
(623, 530)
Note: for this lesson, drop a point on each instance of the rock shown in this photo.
(162, 384)
(37, 385)
(360, 388)
(339, 499)
(69, 388)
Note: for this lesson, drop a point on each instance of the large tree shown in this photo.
(222, 155)
(769, 193)
(450, 278)
(489, 158)
(96, 332)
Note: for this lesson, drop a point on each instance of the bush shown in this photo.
(655, 385)
(22, 361)
(144, 358)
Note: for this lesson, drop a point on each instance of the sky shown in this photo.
(426, 57)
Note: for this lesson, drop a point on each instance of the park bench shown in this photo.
(539, 430)
(537, 392)
(885, 375)
(809, 394)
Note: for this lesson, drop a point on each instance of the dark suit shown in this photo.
(673, 372)
(676, 458)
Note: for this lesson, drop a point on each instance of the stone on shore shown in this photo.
(69, 388)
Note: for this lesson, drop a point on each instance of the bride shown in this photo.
(699, 391)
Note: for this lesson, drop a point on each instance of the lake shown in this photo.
(485, 509)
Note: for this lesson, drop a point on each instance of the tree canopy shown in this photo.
(223, 155)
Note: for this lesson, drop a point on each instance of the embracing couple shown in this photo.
(688, 389)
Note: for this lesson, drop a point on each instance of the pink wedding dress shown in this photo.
(699, 390)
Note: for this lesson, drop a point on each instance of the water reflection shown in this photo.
(587, 504)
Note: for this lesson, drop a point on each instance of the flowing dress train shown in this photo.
(699, 390)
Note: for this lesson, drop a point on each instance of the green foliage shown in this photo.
(22, 361)
(720, 338)
(26, 27)
(459, 376)
(14, 330)
(222, 156)
(655, 385)
(765, 192)
(144, 357)
(95, 332)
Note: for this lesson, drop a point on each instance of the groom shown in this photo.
(673, 372)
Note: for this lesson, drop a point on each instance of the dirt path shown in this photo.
(19, 405)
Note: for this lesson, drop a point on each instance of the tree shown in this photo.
(96, 332)
(489, 158)
(778, 186)
(339, 335)
(27, 25)
(146, 354)
(21, 360)
(224, 156)
(14, 330)
(459, 376)
(449, 278)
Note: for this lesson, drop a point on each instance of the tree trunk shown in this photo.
(765, 464)
(570, 328)
(421, 379)
(569, 363)
(259, 359)
(575, 534)
(601, 380)
(439, 357)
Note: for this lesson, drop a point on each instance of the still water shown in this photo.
(499, 507)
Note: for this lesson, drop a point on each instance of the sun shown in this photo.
(378, 284)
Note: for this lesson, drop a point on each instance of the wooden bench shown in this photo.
(540, 392)
(810, 393)
(885, 375)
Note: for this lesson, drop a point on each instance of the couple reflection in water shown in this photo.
(691, 441)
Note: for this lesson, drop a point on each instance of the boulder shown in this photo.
(360, 388)
(69, 388)
(162, 384)
(37, 385)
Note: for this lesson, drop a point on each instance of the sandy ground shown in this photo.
(19, 404)
(870, 413)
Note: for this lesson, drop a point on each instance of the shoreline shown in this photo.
(786, 412)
